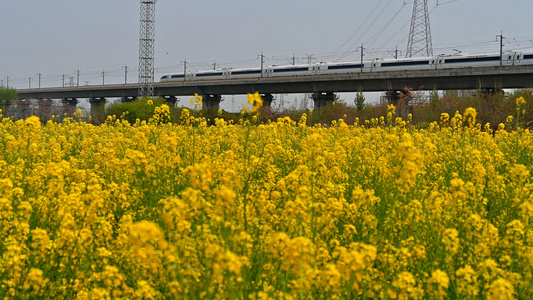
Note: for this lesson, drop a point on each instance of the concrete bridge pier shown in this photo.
(171, 100)
(24, 105)
(267, 100)
(392, 97)
(69, 106)
(211, 101)
(128, 99)
(98, 109)
(97, 103)
(322, 99)
(491, 91)
(45, 108)
(401, 101)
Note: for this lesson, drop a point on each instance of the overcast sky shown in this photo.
(57, 37)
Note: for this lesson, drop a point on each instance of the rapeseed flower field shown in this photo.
(283, 210)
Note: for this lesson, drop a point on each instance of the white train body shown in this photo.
(509, 58)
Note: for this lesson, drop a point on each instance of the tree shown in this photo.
(360, 99)
(7, 95)
(434, 98)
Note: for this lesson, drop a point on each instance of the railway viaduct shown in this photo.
(322, 87)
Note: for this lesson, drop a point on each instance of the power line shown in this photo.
(378, 34)
(357, 30)
(371, 24)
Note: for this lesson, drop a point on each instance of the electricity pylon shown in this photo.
(146, 48)
(420, 33)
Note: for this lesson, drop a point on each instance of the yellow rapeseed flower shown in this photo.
(149, 210)
(469, 117)
(256, 101)
(520, 101)
(500, 289)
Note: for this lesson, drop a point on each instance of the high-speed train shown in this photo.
(508, 58)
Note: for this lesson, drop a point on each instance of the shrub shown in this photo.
(142, 109)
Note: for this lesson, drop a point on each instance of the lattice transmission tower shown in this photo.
(419, 42)
(146, 48)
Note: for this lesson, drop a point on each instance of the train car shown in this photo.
(468, 60)
(246, 73)
(418, 63)
(343, 67)
(199, 75)
(290, 70)
(508, 58)
(520, 58)
(210, 75)
(526, 58)
(172, 77)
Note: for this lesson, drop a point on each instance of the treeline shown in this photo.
(420, 107)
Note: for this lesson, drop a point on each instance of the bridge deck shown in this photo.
(447, 79)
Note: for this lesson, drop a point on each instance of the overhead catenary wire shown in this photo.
(378, 34)
(360, 40)
(357, 30)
